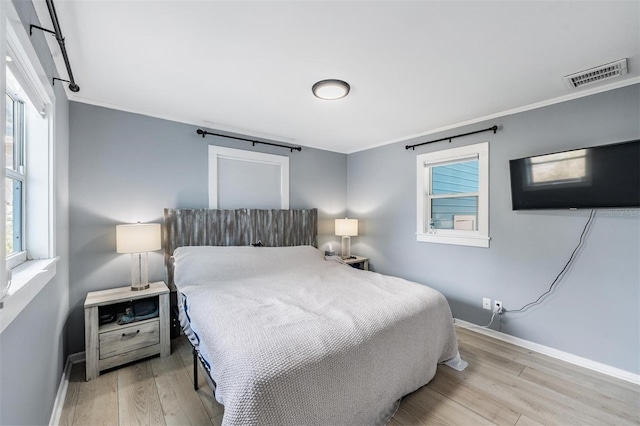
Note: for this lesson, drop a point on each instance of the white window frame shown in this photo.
(30, 277)
(424, 163)
(218, 152)
(16, 258)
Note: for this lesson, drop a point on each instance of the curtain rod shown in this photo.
(58, 33)
(253, 141)
(494, 128)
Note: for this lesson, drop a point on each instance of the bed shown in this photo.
(289, 337)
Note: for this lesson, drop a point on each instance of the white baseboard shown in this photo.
(554, 353)
(58, 404)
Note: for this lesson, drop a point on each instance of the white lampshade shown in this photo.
(138, 238)
(347, 227)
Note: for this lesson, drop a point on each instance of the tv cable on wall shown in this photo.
(592, 215)
(553, 285)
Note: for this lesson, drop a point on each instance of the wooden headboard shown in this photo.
(240, 227)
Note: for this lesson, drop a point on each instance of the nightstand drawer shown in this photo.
(129, 338)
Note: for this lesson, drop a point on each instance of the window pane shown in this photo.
(455, 213)
(13, 194)
(455, 178)
(8, 137)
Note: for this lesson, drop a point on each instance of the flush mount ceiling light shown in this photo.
(331, 89)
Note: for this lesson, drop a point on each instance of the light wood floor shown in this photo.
(503, 385)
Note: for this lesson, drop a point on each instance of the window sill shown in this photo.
(27, 281)
(460, 240)
(16, 259)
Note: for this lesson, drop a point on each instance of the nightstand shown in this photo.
(110, 345)
(356, 261)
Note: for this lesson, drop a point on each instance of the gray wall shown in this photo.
(594, 312)
(33, 348)
(127, 167)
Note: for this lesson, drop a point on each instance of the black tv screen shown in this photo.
(601, 176)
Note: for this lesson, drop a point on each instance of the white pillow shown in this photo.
(207, 264)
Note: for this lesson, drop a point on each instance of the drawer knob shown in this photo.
(130, 334)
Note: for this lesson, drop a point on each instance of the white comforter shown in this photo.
(294, 339)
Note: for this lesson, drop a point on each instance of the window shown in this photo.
(247, 179)
(453, 196)
(29, 191)
(27, 148)
(14, 174)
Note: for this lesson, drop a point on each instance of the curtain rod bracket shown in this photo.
(31, 27)
(59, 79)
(494, 128)
(253, 141)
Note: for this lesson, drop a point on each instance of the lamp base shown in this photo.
(138, 287)
(139, 271)
(346, 247)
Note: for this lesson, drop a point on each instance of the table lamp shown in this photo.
(138, 239)
(346, 228)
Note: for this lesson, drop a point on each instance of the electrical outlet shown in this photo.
(486, 303)
(497, 307)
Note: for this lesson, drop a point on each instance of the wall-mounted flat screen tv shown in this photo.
(601, 176)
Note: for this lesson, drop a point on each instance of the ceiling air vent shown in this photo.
(594, 75)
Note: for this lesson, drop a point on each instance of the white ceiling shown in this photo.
(414, 67)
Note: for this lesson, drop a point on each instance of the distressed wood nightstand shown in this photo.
(356, 261)
(110, 345)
